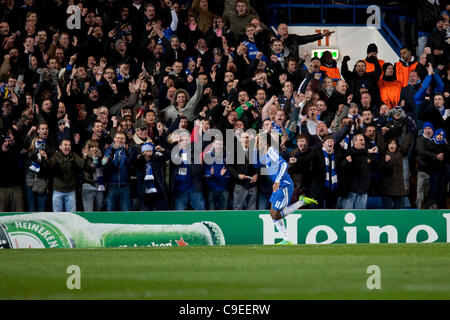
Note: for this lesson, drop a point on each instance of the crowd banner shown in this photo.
(197, 228)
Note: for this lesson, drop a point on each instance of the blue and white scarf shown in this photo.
(277, 128)
(98, 175)
(348, 140)
(36, 166)
(331, 181)
(38, 145)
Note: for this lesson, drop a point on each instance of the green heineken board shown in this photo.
(187, 228)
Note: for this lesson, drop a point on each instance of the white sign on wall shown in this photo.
(351, 41)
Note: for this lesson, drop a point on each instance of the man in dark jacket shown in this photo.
(435, 112)
(244, 174)
(428, 153)
(150, 174)
(316, 141)
(338, 97)
(359, 80)
(11, 198)
(440, 49)
(186, 185)
(117, 160)
(292, 41)
(327, 180)
(217, 176)
(300, 165)
(358, 173)
(64, 165)
(407, 95)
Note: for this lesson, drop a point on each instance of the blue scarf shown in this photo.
(38, 145)
(348, 141)
(277, 128)
(36, 166)
(331, 182)
(98, 175)
(348, 138)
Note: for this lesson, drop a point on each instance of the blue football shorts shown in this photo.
(282, 197)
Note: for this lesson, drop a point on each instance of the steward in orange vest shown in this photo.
(330, 67)
(406, 64)
(390, 88)
(372, 49)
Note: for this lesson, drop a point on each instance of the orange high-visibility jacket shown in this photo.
(332, 73)
(402, 71)
(370, 67)
(390, 92)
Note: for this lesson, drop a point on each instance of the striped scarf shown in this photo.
(348, 140)
(36, 166)
(38, 145)
(98, 175)
(331, 181)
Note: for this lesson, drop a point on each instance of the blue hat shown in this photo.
(428, 124)
(147, 147)
(438, 132)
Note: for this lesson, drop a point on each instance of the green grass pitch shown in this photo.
(408, 271)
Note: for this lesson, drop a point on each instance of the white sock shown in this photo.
(281, 228)
(289, 209)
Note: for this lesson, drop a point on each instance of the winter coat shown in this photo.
(368, 80)
(64, 169)
(428, 112)
(301, 171)
(159, 172)
(358, 172)
(407, 93)
(194, 171)
(241, 167)
(10, 171)
(319, 171)
(392, 184)
(119, 161)
(427, 151)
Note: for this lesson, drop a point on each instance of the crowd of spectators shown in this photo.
(107, 108)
